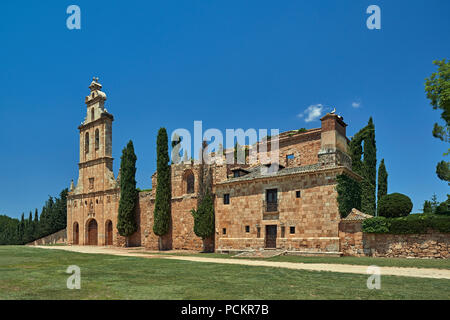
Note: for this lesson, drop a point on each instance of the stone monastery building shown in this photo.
(293, 209)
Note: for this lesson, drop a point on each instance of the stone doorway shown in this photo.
(92, 233)
(109, 233)
(271, 236)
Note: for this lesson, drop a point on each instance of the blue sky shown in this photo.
(231, 64)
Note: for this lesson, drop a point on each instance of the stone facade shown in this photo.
(303, 213)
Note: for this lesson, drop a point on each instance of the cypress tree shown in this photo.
(427, 209)
(382, 181)
(126, 220)
(29, 228)
(161, 222)
(36, 224)
(367, 167)
(368, 200)
(21, 230)
(204, 217)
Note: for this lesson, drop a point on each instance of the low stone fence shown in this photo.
(54, 238)
(354, 242)
(429, 245)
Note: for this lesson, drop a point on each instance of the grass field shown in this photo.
(364, 261)
(33, 273)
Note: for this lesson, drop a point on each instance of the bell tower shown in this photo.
(93, 203)
(96, 162)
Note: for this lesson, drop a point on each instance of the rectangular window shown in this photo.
(271, 196)
(258, 232)
(91, 183)
(226, 198)
(283, 231)
(224, 231)
(247, 229)
(271, 200)
(236, 174)
(292, 230)
(298, 194)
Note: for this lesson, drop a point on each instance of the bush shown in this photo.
(395, 205)
(443, 208)
(376, 225)
(412, 224)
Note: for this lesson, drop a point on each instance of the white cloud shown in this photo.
(356, 104)
(312, 113)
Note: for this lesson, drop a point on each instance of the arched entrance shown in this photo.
(76, 233)
(109, 233)
(92, 233)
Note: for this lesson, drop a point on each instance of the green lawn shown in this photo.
(365, 261)
(33, 273)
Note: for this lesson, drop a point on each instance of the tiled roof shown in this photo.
(356, 215)
(258, 172)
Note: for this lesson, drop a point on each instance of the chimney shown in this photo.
(333, 150)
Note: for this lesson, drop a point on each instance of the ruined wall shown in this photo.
(54, 238)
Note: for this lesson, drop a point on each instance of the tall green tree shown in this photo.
(368, 200)
(29, 230)
(382, 181)
(366, 167)
(204, 224)
(434, 202)
(126, 219)
(36, 225)
(437, 87)
(21, 230)
(427, 209)
(161, 213)
(204, 217)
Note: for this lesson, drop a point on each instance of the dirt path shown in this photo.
(342, 268)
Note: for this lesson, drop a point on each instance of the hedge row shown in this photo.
(414, 223)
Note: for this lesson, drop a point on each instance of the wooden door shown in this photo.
(92, 233)
(76, 233)
(109, 233)
(271, 236)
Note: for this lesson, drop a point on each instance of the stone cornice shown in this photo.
(103, 117)
(336, 169)
(93, 162)
(93, 194)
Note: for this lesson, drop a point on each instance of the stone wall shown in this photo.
(429, 245)
(351, 238)
(314, 216)
(354, 242)
(54, 238)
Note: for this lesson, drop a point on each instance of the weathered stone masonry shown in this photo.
(294, 208)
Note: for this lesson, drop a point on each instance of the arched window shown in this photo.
(97, 139)
(190, 180)
(92, 114)
(86, 142)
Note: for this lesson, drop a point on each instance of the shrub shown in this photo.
(395, 205)
(412, 224)
(407, 225)
(376, 225)
(443, 208)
